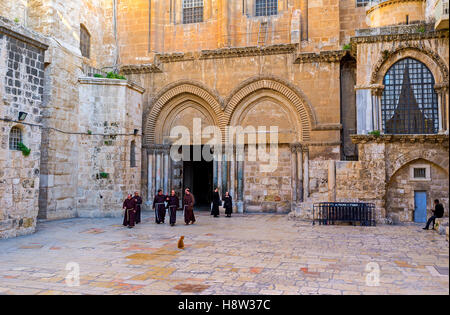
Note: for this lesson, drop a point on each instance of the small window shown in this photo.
(362, 3)
(420, 173)
(133, 154)
(15, 137)
(266, 7)
(192, 11)
(85, 42)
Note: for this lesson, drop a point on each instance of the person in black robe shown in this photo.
(216, 203)
(138, 207)
(188, 206)
(159, 207)
(129, 205)
(228, 204)
(173, 203)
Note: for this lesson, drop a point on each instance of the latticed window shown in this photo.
(85, 42)
(363, 3)
(409, 104)
(133, 154)
(15, 137)
(192, 11)
(266, 7)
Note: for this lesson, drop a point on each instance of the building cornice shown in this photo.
(324, 56)
(441, 139)
(236, 52)
(140, 69)
(104, 81)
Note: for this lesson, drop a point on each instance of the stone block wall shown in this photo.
(110, 111)
(21, 90)
(268, 191)
(395, 12)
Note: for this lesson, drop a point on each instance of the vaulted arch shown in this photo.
(294, 96)
(201, 94)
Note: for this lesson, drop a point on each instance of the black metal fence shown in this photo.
(329, 213)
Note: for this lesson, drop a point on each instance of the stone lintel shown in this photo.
(324, 56)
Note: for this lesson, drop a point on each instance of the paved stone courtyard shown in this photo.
(247, 254)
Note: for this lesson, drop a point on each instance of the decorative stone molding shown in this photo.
(398, 33)
(296, 98)
(174, 57)
(173, 90)
(140, 69)
(324, 56)
(236, 52)
(441, 139)
(390, 54)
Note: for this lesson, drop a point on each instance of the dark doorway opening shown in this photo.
(198, 177)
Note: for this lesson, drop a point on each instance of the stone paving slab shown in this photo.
(247, 254)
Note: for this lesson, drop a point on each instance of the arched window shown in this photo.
(133, 154)
(85, 42)
(266, 7)
(409, 104)
(192, 11)
(15, 137)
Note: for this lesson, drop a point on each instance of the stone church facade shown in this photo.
(357, 89)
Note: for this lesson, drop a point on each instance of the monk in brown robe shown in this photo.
(138, 207)
(173, 203)
(129, 205)
(159, 207)
(188, 206)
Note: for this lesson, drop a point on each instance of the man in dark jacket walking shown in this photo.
(437, 214)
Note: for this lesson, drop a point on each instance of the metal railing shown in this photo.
(330, 213)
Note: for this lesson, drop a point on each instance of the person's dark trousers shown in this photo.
(432, 219)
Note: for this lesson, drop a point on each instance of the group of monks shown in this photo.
(161, 203)
(132, 207)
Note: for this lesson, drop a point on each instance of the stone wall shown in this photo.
(268, 191)
(110, 111)
(21, 90)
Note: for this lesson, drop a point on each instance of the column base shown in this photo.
(240, 207)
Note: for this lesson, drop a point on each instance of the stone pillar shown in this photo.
(224, 174)
(300, 188)
(240, 156)
(150, 176)
(332, 181)
(233, 176)
(215, 173)
(306, 174)
(158, 171)
(442, 92)
(166, 173)
(377, 122)
(294, 173)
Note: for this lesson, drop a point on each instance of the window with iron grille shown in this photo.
(15, 137)
(362, 3)
(420, 173)
(85, 42)
(266, 7)
(192, 11)
(409, 104)
(133, 154)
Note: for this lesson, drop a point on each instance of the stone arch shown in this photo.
(294, 95)
(430, 156)
(210, 100)
(428, 57)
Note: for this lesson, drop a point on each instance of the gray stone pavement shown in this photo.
(247, 254)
